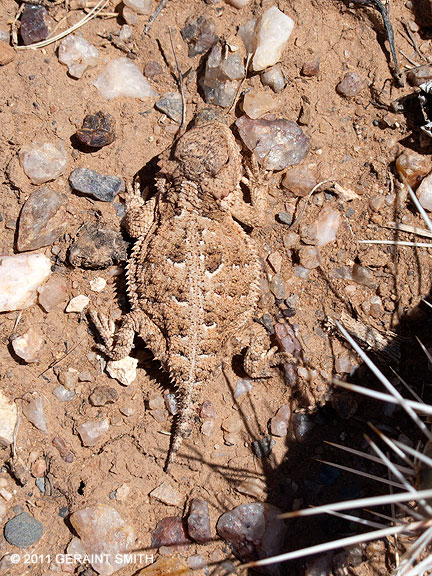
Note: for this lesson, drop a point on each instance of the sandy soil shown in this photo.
(353, 142)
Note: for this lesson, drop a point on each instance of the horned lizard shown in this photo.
(193, 273)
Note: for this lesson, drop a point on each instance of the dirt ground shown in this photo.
(354, 142)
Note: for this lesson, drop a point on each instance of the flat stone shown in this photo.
(350, 85)
(103, 395)
(167, 494)
(43, 219)
(90, 432)
(121, 77)
(44, 161)
(78, 303)
(34, 411)
(171, 105)
(95, 247)
(23, 530)
(170, 531)
(98, 186)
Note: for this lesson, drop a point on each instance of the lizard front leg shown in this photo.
(140, 214)
(118, 344)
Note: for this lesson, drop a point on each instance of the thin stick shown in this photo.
(378, 5)
(180, 83)
(155, 14)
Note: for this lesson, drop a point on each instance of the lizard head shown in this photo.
(208, 155)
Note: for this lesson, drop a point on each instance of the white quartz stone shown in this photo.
(121, 77)
(20, 276)
(77, 54)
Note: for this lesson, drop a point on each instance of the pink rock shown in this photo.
(207, 410)
(199, 521)
(170, 531)
(34, 411)
(53, 293)
(253, 531)
(325, 227)
(104, 536)
(29, 345)
(35, 24)
(90, 432)
(280, 422)
(275, 143)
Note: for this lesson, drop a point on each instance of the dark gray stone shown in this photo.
(23, 530)
(96, 247)
(98, 186)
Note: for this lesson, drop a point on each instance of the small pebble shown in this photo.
(43, 162)
(198, 521)
(325, 227)
(280, 422)
(311, 68)
(123, 370)
(232, 424)
(287, 339)
(85, 376)
(77, 304)
(419, 75)
(291, 240)
(29, 345)
(42, 219)
(77, 54)
(207, 427)
(170, 531)
(63, 449)
(363, 276)
(97, 284)
(270, 36)
(35, 24)
(343, 365)
(300, 180)
(63, 394)
(53, 293)
(253, 531)
(262, 448)
(412, 167)
(256, 104)
(8, 420)
(243, 386)
(207, 410)
(350, 85)
(99, 186)
(285, 218)
(97, 130)
(254, 487)
(39, 468)
(23, 530)
(139, 6)
(101, 528)
(200, 34)
(222, 77)
(91, 432)
(238, 3)
(34, 411)
(129, 16)
(171, 105)
(7, 53)
(424, 193)
(309, 257)
(377, 203)
(167, 494)
(171, 404)
(103, 395)
(276, 144)
(277, 287)
(121, 77)
(274, 78)
(152, 69)
(302, 426)
(96, 247)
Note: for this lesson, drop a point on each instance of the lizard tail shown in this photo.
(183, 429)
